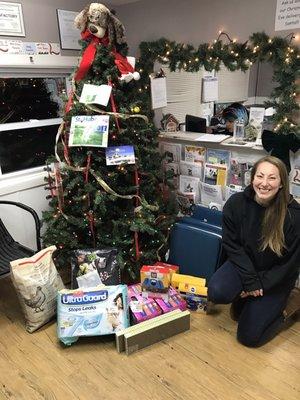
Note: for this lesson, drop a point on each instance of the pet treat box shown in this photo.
(177, 279)
(155, 281)
(195, 296)
(172, 268)
(102, 310)
(141, 308)
(174, 302)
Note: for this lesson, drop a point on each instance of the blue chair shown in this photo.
(196, 243)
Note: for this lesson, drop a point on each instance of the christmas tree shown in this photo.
(95, 204)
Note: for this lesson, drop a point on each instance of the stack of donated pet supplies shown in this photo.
(98, 304)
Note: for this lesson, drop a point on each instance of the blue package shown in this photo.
(91, 312)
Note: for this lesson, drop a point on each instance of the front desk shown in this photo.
(215, 191)
(249, 151)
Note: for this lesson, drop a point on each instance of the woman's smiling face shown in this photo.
(266, 182)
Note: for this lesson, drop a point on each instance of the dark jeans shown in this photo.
(261, 317)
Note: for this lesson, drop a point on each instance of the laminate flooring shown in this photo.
(205, 363)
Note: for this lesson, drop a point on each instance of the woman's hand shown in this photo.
(254, 293)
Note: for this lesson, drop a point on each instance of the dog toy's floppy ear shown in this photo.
(81, 19)
(116, 30)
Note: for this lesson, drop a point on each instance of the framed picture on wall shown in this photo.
(68, 33)
(11, 19)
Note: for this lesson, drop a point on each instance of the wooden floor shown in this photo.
(203, 363)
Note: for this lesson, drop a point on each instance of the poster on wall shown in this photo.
(68, 33)
(11, 19)
(287, 15)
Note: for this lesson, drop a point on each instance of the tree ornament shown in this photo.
(136, 109)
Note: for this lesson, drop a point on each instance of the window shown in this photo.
(30, 110)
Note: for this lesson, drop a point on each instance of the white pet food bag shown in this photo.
(37, 282)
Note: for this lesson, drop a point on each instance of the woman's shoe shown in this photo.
(293, 304)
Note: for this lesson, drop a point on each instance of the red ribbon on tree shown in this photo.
(91, 220)
(70, 102)
(136, 235)
(89, 54)
(88, 164)
(113, 106)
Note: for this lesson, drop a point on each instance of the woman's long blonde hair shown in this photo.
(273, 221)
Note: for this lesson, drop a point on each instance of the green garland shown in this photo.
(284, 57)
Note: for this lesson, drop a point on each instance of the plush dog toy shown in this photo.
(99, 25)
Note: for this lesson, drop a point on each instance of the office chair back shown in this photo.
(10, 249)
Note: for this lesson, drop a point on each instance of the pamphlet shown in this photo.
(211, 193)
(189, 184)
(116, 155)
(215, 174)
(214, 156)
(170, 151)
(89, 130)
(94, 94)
(194, 154)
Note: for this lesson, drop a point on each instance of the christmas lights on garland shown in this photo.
(284, 57)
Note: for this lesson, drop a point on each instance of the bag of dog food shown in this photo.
(37, 282)
(104, 261)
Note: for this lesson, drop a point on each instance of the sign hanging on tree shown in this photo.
(89, 130)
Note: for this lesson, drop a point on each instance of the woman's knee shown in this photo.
(248, 338)
(217, 293)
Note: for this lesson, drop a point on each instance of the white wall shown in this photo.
(196, 21)
(40, 19)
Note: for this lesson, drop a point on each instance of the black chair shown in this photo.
(10, 249)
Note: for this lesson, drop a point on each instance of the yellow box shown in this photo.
(194, 289)
(176, 279)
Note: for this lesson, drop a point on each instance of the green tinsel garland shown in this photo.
(284, 57)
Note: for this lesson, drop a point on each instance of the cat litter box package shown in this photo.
(102, 310)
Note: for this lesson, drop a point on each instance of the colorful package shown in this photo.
(155, 281)
(172, 267)
(174, 302)
(104, 261)
(196, 302)
(91, 312)
(142, 309)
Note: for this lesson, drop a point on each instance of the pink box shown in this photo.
(141, 308)
(174, 302)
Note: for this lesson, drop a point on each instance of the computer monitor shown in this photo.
(195, 124)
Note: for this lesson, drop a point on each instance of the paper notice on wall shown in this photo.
(15, 47)
(287, 15)
(210, 90)
(48, 48)
(29, 48)
(158, 92)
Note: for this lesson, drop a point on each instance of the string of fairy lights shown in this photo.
(279, 52)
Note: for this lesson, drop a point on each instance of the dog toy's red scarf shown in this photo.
(89, 54)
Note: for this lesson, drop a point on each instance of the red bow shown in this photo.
(89, 54)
